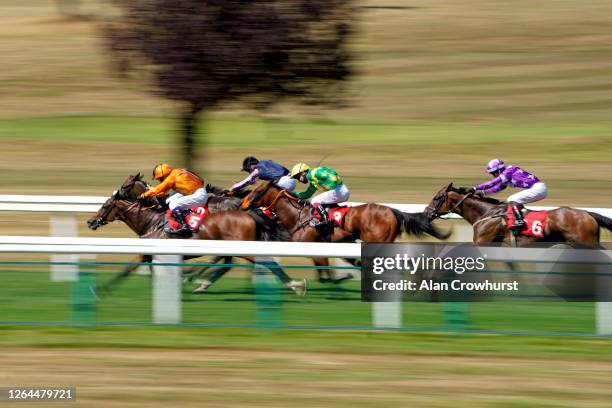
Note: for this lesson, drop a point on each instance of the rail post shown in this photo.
(167, 288)
(267, 294)
(83, 297)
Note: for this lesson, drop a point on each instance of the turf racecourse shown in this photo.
(211, 367)
(119, 366)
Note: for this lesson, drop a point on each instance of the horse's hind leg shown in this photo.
(341, 277)
(324, 274)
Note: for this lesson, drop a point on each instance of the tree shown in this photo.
(205, 53)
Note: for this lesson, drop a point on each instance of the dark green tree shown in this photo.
(205, 53)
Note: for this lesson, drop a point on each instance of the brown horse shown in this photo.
(571, 226)
(146, 219)
(367, 222)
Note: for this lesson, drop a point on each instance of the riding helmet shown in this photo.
(495, 165)
(161, 171)
(299, 168)
(248, 162)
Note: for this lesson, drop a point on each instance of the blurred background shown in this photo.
(436, 89)
(400, 97)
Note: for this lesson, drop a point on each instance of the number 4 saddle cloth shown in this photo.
(536, 222)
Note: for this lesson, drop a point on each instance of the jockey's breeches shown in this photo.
(335, 196)
(286, 183)
(177, 201)
(537, 192)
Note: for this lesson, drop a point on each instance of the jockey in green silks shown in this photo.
(320, 178)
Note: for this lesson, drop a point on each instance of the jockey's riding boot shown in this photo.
(519, 220)
(179, 216)
(323, 213)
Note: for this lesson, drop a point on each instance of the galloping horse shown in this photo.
(367, 222)
(146, 219)
(572, 226)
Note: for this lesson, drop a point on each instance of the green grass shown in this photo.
(223, 131)
(307, 340)
(232, 301)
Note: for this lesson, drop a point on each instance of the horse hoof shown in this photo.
(298, 287)
(202, 288)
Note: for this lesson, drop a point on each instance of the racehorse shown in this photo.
(368, 222)
(147, 220)
(577, 228)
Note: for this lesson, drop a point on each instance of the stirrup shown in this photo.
(519, 225)
(183, 230)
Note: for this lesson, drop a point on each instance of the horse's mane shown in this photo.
(464, 190)
(217, 191)
(261, 189)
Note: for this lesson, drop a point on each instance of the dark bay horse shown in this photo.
(577, 228)
(368, 222)
(146, 219)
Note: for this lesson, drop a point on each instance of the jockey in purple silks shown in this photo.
(533, 188)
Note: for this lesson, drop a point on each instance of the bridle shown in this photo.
(435, 210)
(108, 206)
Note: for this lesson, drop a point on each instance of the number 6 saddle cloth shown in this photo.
(536, 222)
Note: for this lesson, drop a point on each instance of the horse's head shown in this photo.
(258, 197)
(441, 203)
(111, 210)
(450, 198)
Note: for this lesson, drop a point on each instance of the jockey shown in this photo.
(264, 170)
(534, 189)
(189, 191)
(322, 178)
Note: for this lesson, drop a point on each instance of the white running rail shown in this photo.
(91, 204)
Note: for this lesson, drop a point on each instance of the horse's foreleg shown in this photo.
(197, 271)
(134, 264)
(212, 276)
(276, 269)
(299, 287)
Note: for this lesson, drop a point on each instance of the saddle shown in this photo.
(536, 222)
(193, 218)
(335, 212)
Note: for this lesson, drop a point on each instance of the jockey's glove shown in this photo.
(471, 190)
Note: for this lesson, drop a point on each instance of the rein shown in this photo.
(292, 200)
(459, 203)
(279, 195)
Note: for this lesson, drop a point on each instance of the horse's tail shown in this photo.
(268, 229)
(417, 224)
(602, 220)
